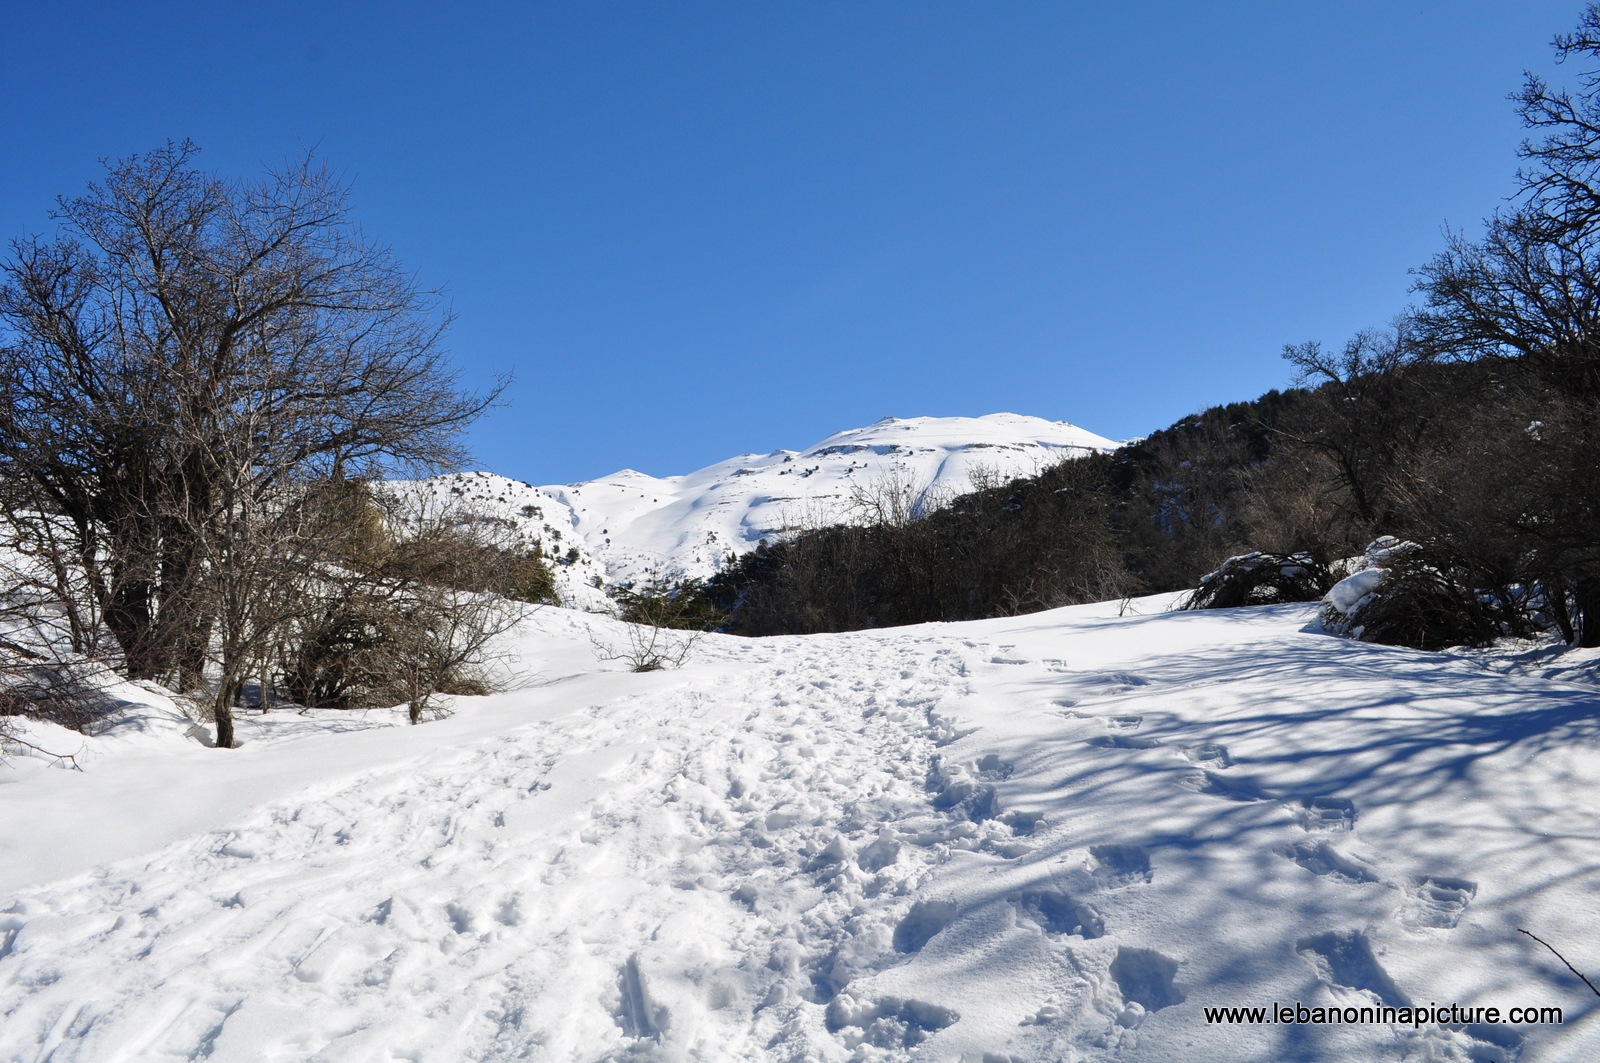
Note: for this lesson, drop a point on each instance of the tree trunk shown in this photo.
(193, 642)
(222, 708)
(130, 616)
(1587, 595)
(1556, 605)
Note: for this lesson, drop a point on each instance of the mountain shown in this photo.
(628, 525)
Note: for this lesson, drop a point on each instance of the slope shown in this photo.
(1059, 836)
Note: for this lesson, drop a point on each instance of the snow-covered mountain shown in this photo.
(627, 525)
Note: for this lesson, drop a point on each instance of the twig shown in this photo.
(1560, 957)
(7, 644)
(12, 739)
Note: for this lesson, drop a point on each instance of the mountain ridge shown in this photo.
(629, 526)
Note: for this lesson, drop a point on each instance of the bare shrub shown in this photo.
(410, 606)
(63, 692)
(1260, 579)
(43, 673)
(649, 647)
(666, 619)
(12, 742)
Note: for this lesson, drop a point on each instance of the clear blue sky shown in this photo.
(692, 230)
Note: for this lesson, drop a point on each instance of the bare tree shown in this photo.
(894, 499)
(186, 350)
(1525, 298)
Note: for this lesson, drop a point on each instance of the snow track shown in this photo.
(473, 903)
(1046, 838)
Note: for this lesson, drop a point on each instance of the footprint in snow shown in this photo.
(1064, 707)
(1145, 977)
(1229, 788)
(637, 1013)
(990, 766)
(1124, 723)
(1318, 814)
(888, 1022)
(1122, 682)
(1321, 858)
(1345, 958)
(1120, 865)
(1436, 902)
(919, 926)
(1211, 754)
(1055, 912)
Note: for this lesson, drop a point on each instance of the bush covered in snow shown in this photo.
(1406, 595)
(1261, 579)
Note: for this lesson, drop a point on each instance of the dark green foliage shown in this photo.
(1153, 516)
(1384, 442)
(529, 579)
(658, 602)
(1186, 496)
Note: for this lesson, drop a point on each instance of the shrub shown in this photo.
(1261, 579)
(1004, 549)
(413, 611)
(1410, 595)
(665, 620)
(658, 602)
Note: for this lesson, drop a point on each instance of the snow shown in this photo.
(629, 525)
(1057, 836)
(1348, 594)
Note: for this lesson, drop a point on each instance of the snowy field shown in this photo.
(1054, 837)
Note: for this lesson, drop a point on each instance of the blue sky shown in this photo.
(691, 230)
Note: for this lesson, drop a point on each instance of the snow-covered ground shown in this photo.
(628, 526)
(1059, 836)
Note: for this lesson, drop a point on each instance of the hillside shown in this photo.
(624, 526)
